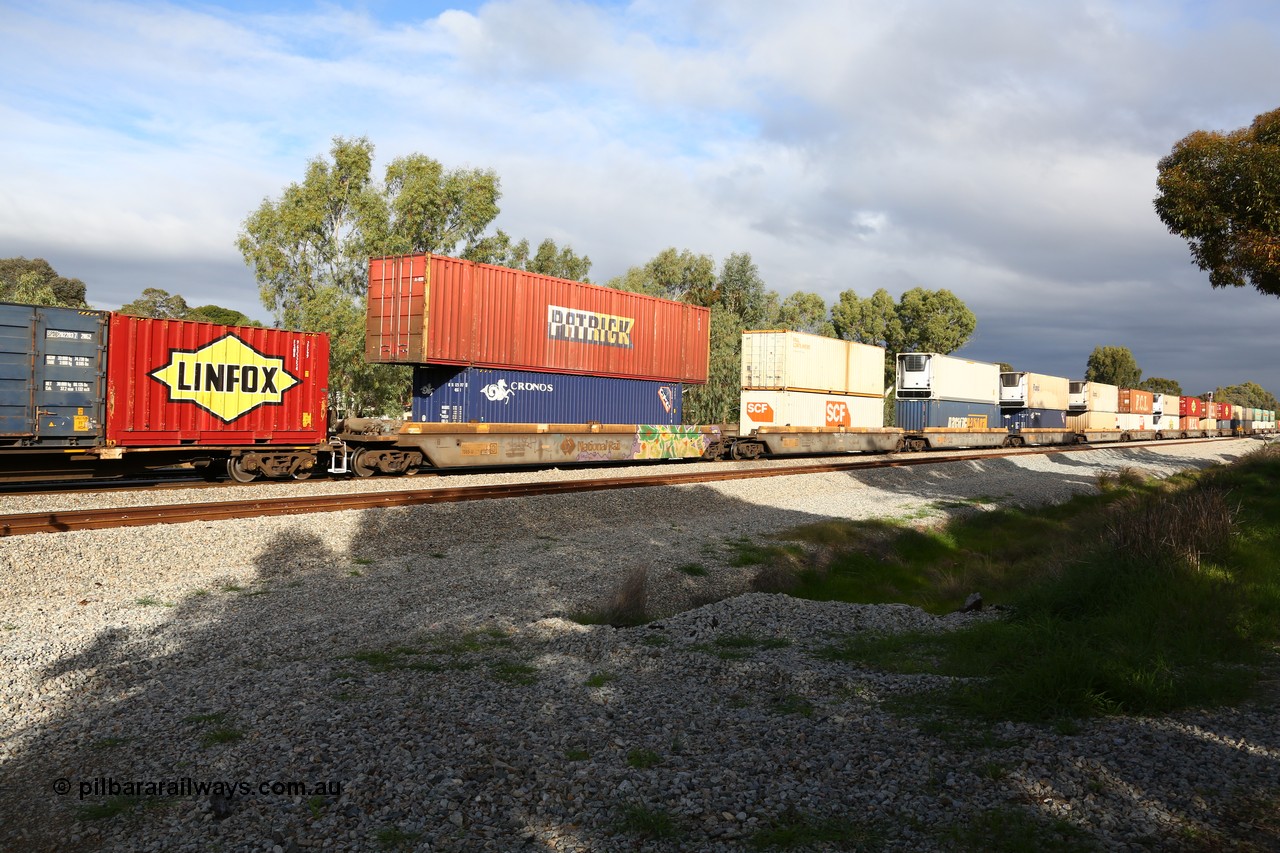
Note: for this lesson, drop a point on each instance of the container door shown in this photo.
(16, 389)
(68, 376)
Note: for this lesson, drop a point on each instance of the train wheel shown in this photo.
(360, 463)
(237, 471)
(302, 474)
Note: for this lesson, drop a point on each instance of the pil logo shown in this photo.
(761, 413)
(227, 378)
(838, 414)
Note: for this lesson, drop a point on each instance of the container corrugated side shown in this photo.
(1135, 421)
(805, 409)
(52, 375)
(172, 382)
(794, 361)
(486, 395)
(1020, 389)
(1166, 423)
(933, 376)
(916, 415)
(1093, 421)
(431, 309)
(1208, 423)
(1164, 404)
(1189, 423)
(1020, 419)
(1135, 401)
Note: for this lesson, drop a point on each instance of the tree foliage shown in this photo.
(805, 312)
(35, 282)
(1247, 394)
(1221, 193)
(1113, 366)
(1160, 385)
(920, 321)
(716, 402)
(310, 248)
(162, 305)
(550, 259)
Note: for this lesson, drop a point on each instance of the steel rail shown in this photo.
(96, 519)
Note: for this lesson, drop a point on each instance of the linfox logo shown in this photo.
(838, 414)
(501, 391)
(761, 413)
(589, 327)
(227, 378)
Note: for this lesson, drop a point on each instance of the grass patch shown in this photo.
(393, 837)
(739, 646)
(599, 679)
(576, 755)
(221, 735)
(693, 570)
(513, 672)
(149, 601)
(643, 759)
(1013, 830)
(109, 742)
(106, 809)
(1144, 598)
(793, 830)
(626, 607)
(438, 654)
(792, 704)
(648, 824)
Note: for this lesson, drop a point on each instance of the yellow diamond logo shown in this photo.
(227, 378)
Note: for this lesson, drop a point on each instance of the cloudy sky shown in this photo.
(1005, 150)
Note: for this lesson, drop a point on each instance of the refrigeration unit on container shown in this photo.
(808, 409)
(794, 361)
(178, 382)
(1020, 419)
(932, 376)
(1168, 424)
(485, 395)
(430, 309)
(915, 415)
(52, 376)
(1094, 396)
(1093, 421)
(1134, 401)
(1022, 390)
(1191, 407)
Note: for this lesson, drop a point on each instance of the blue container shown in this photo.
(1020, 419)
(947, 414)
(482, 395)
(51, 376)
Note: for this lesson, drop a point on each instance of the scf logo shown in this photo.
(838, 414)
(761, 413)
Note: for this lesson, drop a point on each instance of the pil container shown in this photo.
(808, 409)
(174, 382)
(1134, 421)
(1022, 390)
(52, 376)
(794, 361)
(1189, 423)
(431, 309)
(1134, 401)
(444, 394)
(933, 376)
(916, 415)
(1094, 396)
(1191, 407)
(1020, 419)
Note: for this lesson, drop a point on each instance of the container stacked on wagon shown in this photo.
(514, 367)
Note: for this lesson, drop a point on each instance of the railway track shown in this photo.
(97, 519)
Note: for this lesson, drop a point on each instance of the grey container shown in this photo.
(52, 376)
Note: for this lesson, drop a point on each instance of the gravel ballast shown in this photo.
(418, 671)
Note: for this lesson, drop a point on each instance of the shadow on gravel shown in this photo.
(369, 680)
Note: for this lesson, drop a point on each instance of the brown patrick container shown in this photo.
(1135, 402)
(430, 309)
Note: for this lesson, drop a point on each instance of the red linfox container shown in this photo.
(1191, 407)
(1136, 402)
(175, 382)
(430, 309)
